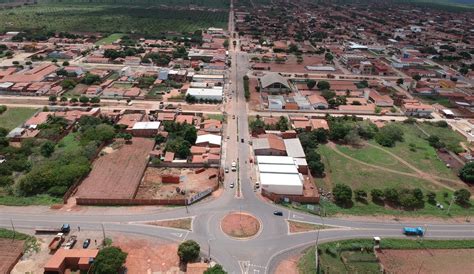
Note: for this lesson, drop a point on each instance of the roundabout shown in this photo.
(240, 225)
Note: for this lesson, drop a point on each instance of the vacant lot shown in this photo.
(109, 39)
(428, 261)
(14, 117)
(154, 188)
(109, 18)
(9, 253)
(118, 172)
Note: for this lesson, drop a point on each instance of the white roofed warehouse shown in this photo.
(274, 83)
(214, 93)
(279, 175)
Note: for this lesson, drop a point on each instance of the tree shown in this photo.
(323, 85)
(190, 134)
(109, 260)
(462, 196)
(342, 195)
(400, 81)
(435, 142)
(90, 79)
(316, 168)
(282, 123)
(328, 56)
(65, 63)
(84, 99)
(159, 139)
(431, 197)
(63, 99)
(360, 195)
(188, 251)
(95, 100)
(467, 173)
(416, 77)
(52, 98)
(216, 269)
(311, 83)
(377, 195)
(392, 195)
(226, 43)
(68, 84)
(389, 135)
(3, 132)
(47, 149)
(328, 94)
(73, 100)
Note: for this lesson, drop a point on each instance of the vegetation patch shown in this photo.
(13, 117)
(296, 227)
(31, 243)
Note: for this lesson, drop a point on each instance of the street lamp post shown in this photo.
(209, 248)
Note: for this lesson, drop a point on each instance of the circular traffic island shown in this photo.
(240, 225)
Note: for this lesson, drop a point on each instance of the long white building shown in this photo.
(279, 175)
(214, 93)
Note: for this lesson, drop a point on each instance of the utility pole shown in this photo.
(103, 233)
(209, 248)
(450, 204)
(316, 255)
(13, 228)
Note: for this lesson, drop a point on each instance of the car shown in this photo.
(226, 170)
(413, 231)
(242, 140)
(86, 243)
(277, 213)
(233, 116)
(231, 185)
(228, 137)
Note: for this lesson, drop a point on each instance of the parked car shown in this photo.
(86, 243)
(242, 140)
(226, 170)
(234, 166)
(277, 213)
(231, 185)
(233, 116)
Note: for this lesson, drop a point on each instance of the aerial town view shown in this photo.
(236, 136)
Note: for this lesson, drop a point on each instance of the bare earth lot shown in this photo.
(240, 225)
(118, 173)
(428, 261)
(152, 186)
(9, 251)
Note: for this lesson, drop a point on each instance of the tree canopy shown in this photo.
(188, 251)
(109, 260)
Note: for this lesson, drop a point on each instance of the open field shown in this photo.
(357, 261)
(428, 261)
(118, 173)
(14, 117)
(153, 187)
(109, 39)
(109, 18)
(223, 4)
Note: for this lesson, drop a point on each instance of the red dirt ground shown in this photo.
(289, 265)
(148, 255)
(291, 65)
(457, 261)
(240, 225)
(153, 188)
(117, 174)
(9, 251)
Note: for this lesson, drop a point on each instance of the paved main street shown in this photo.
(257, 255)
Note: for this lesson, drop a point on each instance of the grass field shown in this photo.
(331, 254)
(14, 117)
(219, 4)
(10, 200)
(109, 18)
(109, 39)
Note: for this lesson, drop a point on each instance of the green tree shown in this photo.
(342, 195)
(84, 99)
(360, 195)
(216, 269)
(416, 77)
(392, 196)
(52, 98)
(323, 85)
(95, 100)
(159, 139)
(467, 173)
(316, 168)
(282, 123)
(188, 251)
(68, 84)
(109, 260)
(65, 63)
(328, 56)
(389, 135)
(73, 100)
(400, 81)
(377, 195)
(462, 196)
(190, 135)
(226, 43)
(90, 79)
(63, 99)
(311, 83)
(431, 197)
(47, 149)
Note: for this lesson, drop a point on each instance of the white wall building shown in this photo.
(214, 93)
(279, 175)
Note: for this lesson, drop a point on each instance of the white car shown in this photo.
(233, 166)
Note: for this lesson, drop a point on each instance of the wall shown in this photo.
(125, 202)
(276, 198)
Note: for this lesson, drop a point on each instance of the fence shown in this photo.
(276, 198)
(128, 202)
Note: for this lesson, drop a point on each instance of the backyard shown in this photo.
(14, 117)
(109, 18)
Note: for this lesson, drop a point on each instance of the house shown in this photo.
(416, 108)
(380, 100)
(63, 259)
(276, 102)
(145, 129)
(209, 140)
(319, 123)
(317, 101)
(271, 145)
(274, 83)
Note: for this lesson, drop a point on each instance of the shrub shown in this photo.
(342, 195)
(188, 251)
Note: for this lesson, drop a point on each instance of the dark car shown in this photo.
(278, 213)
(242, 140)
(86, 243)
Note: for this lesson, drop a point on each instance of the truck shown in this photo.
(56, 242)
(70, 242)
(65, 228)
(413, 231)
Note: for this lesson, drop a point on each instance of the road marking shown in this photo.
(244, 266)
(179, 235)
(298, 217)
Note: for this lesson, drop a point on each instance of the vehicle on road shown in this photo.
(257, 185)
(413, 231)
(277, 213)
(233, 116)
(231, 185)
(242, 140)
(233, 166)
(65, 228)
(226, 170)
(56, 242)
(86, 243)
